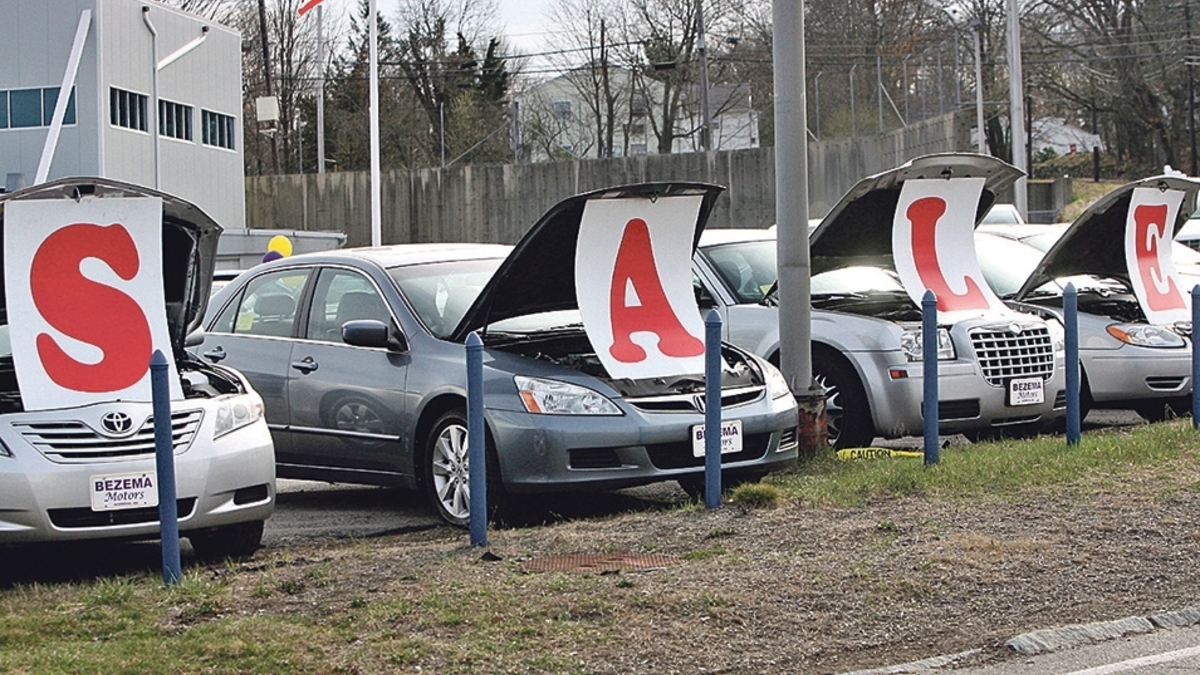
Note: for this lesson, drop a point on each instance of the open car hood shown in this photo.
(189, 244)
(539, 274)
(1093, 244)
(858, 230)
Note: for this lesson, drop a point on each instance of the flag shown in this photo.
(309, 5)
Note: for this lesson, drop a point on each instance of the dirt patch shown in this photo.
(788, 589)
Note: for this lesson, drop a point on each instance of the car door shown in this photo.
(347, 402)
(254, 334)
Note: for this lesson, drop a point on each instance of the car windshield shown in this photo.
(441, 293)
(1043, 241)
(1005, 263)
(1003, 214)
(856, 281)
(747, 268)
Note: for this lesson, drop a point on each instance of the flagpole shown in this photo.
(376, 194)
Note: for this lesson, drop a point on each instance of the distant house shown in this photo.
(1065, 139)
(558, 117)
(154, 97)
(734, 123)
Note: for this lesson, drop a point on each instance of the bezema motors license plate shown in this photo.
(731, 438)
(1026, 391)
(124, 491)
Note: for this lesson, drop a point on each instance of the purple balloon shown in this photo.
(272, 255)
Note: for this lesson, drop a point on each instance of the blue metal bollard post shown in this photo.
(164, 460)
(712, 409)
(1195, 355)
(929, 357)
(1071, 322)
(476, 448)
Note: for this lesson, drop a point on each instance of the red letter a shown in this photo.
(635, 268)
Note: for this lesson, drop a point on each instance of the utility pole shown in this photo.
(266, 53)
(1187, 17)
(879, 89)
(702, 51)
(1016, 112)
(983, 148)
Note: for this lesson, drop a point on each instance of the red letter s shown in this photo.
(90, 312)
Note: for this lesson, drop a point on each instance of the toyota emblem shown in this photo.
(116, 423)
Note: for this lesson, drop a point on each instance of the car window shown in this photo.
(267, 306)
(341, 296)
(747, 268)
(441, 293)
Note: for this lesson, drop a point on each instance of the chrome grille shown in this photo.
(75, 441)
(695, 402)
(1005, 353)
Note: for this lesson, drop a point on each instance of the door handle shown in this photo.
(306, 365)
(215, 355)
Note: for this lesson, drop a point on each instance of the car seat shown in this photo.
(274, 314)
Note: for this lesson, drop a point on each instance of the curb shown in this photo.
(1053, 639)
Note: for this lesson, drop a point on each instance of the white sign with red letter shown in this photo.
(1149, 231)
(633, 278)
(933, 242)
(84, 291)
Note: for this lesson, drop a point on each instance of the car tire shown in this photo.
(447, 475)
(229, 541)
(847, 414)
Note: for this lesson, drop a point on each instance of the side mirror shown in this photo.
(373, 333)
(704, 299)
(195, 338)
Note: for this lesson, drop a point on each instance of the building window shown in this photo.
(50, 99)
(217, 129)
(175, 120)
(127, 109)
(27, 108)
(562, 111)
(639, 105)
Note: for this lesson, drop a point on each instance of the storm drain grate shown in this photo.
(598, 562)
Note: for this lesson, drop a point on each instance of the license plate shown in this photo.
(115, 491)
(731, 438)
(1026, 391)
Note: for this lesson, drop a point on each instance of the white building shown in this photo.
(156, 99)
(1063, 138)
(558, 117)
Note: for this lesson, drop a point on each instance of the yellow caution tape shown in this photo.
(849, 454)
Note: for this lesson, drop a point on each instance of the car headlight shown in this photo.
(551, 397)
(1145, 335)
(1058, 334)
(910, 343)
(235, 413)
(777, 385)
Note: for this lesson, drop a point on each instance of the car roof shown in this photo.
(731, 235)
(400, 255)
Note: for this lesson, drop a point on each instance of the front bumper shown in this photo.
(1136, 373)
(966, 402)
(222, 482)
(557, 453)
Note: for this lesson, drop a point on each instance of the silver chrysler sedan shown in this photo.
(359, 355)
(866, 331)
(1125, 361)
(55, 462)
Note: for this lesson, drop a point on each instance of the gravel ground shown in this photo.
(788, 589)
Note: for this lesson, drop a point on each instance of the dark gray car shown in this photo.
(359, 357)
